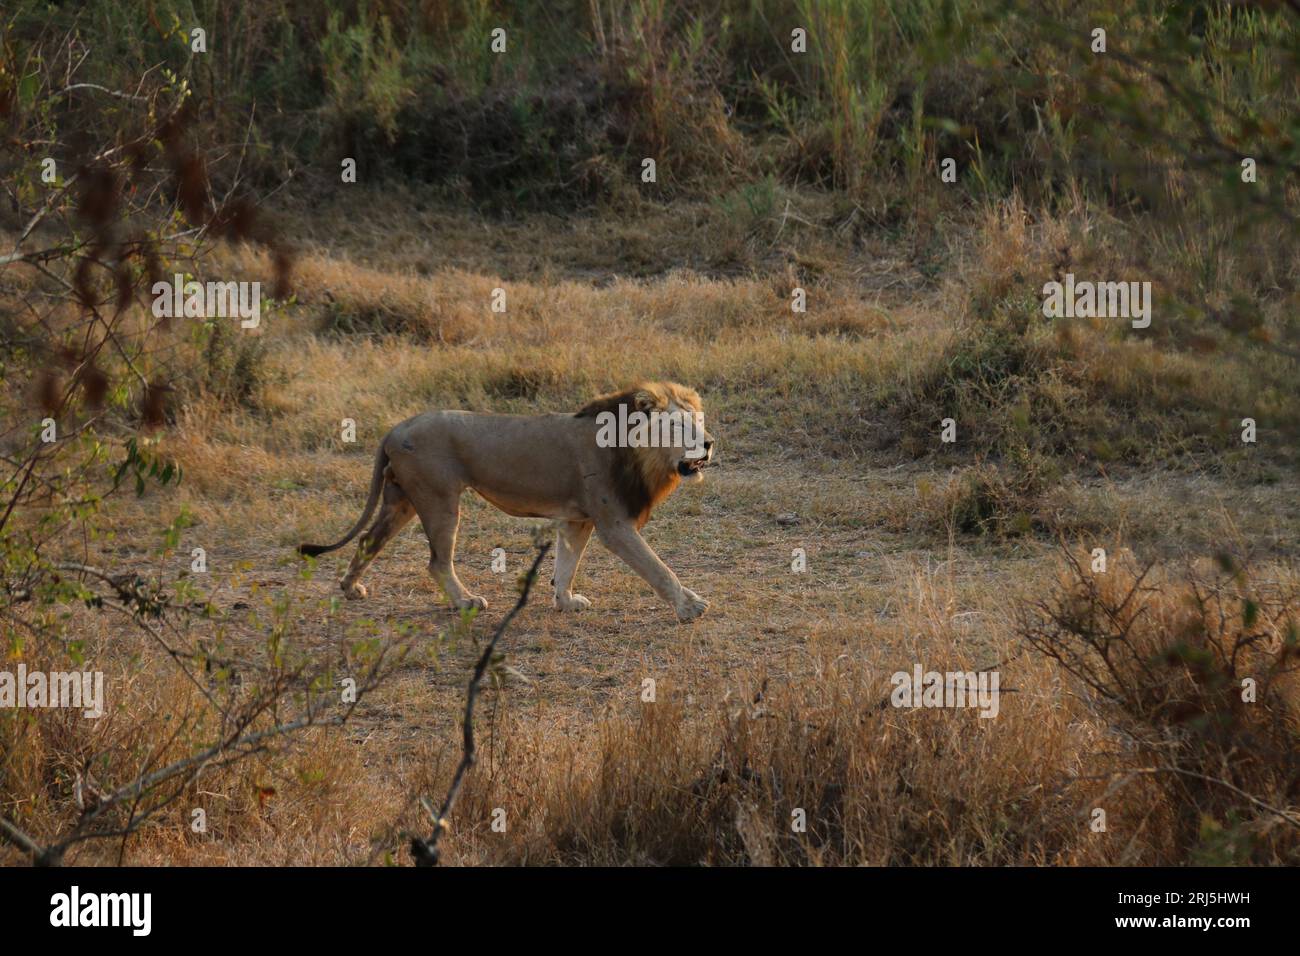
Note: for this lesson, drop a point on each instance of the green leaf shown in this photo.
(1250, 613)
(28, 87)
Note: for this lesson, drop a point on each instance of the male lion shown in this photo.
(538, 466)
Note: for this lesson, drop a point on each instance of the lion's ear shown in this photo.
(645, 401)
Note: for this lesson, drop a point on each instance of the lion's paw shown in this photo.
(355, 592)
(690, 606)
(571, 602)
(472, 602)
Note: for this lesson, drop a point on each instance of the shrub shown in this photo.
(1198, 673)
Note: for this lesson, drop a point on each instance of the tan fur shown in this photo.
(536, 466)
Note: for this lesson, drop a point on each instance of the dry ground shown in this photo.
(392, 317)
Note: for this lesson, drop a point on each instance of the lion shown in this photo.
(559, 466)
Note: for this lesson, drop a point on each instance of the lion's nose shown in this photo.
(708, 446)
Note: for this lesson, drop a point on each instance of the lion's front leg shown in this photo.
(626, 542)
(571, 539)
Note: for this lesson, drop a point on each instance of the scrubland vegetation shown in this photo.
(1161, 690)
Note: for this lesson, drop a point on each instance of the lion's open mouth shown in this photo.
(689, 466)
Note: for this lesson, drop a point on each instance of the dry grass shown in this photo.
(768, 704)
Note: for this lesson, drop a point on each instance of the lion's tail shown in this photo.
(376, 486)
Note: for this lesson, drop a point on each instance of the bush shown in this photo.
(1198, 674)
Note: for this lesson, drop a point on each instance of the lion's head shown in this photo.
(656, 433)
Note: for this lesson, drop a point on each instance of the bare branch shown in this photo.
(425, 852)
(103, 89)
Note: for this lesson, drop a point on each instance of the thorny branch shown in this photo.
(425, 851)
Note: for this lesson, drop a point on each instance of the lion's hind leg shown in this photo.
(396, 512)
(441, 517)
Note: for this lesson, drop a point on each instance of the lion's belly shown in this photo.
(525, 506)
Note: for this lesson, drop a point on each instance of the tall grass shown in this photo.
(1017, 81)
